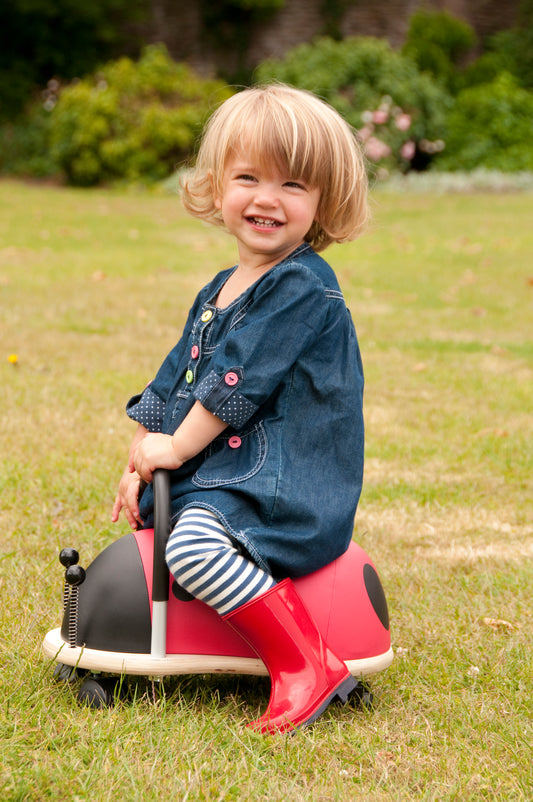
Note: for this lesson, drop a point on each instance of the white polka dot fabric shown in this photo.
(226, 403)
(206, 385)
(236, 410)
(149, 411)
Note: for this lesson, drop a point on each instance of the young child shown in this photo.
(257, 411)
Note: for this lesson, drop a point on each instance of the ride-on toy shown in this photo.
(125, 616)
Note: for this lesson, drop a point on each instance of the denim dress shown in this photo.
(281, 366)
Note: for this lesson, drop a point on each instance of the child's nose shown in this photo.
(266, 195)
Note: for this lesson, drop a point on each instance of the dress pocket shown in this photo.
(233, 458)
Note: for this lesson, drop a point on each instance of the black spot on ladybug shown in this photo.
(376, 594)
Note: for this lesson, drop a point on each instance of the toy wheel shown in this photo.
(98, 692)
(64, 673)
(363, 696)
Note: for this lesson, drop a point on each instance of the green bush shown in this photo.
(131, 120)
(24, 145)
(490, 127)
(367, 82)
(438, 42)
(506, 51)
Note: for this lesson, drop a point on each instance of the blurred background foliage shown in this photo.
(66, 39)
(84, 99)
(131, 120)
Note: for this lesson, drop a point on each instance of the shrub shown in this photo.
(490, 127)
(131, 120)
(506, 51)
(438, 42)
(24, 146)
(373, 87)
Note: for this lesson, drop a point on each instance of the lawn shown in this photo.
(94, 286)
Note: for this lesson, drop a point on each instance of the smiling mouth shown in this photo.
(264, 222)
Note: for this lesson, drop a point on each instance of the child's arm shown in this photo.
(127, 497)
(196, 431)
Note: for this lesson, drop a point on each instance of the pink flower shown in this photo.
(365, 132)
(375, 149)
(403, 122)
(408, 150)
(380, 116)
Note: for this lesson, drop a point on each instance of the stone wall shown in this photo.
(178, 23)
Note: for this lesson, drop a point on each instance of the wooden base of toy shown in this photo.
(55, 648)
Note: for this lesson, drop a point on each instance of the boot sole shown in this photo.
(341, 694)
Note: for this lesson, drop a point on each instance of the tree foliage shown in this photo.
(43, 39)
(438, 43)
(490, 126)
(128, 120)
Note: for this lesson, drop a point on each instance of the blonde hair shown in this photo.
(296, 131)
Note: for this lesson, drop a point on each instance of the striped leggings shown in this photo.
(205, 560)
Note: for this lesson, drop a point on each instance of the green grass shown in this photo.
(94, 286)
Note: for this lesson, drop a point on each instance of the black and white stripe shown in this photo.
(205, 560)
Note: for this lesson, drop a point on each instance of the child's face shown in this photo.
(268, 211)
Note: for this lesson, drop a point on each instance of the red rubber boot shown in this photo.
(305, 674)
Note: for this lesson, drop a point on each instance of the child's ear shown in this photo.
(217, 197)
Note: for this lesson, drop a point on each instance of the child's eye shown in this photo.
(295, 184)
(245, 177)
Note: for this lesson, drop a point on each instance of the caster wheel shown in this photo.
(98, 692)
(363, 696)
(63, 673)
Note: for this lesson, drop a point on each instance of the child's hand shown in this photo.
(155, 451)
(127, 499)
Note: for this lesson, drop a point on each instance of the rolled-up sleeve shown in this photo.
(220, 395)
(148, 408)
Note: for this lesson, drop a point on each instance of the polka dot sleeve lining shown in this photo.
(148, 409)
(224, 401)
